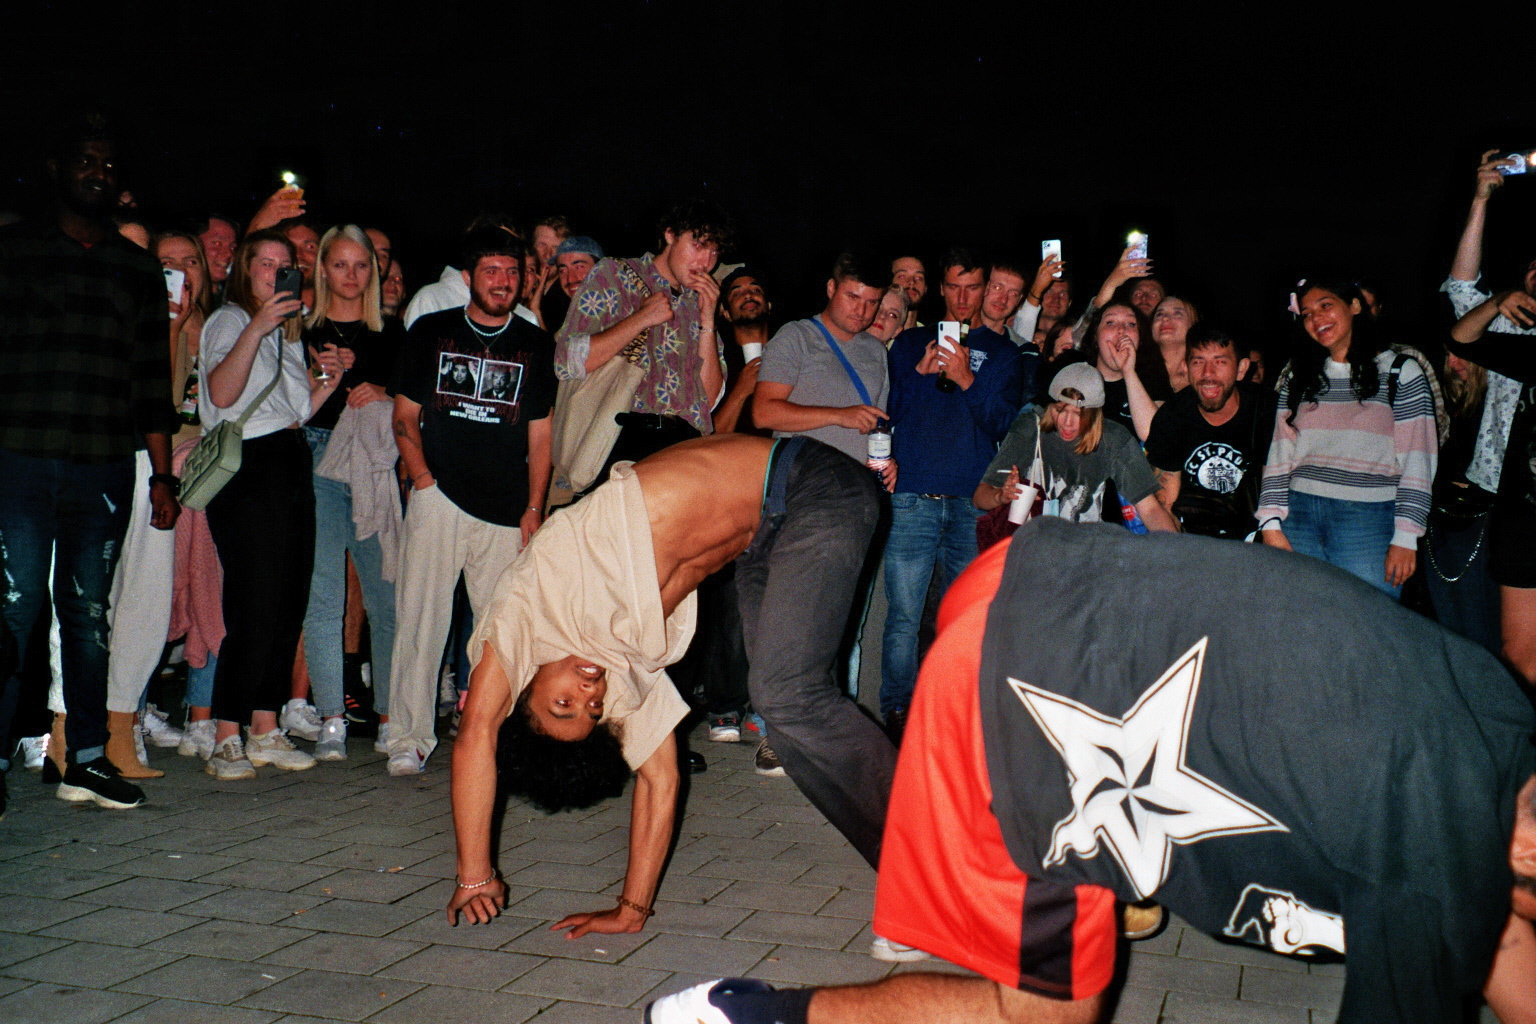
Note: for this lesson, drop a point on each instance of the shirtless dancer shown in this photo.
(580, 639)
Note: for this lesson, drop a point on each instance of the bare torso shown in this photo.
(704, 499)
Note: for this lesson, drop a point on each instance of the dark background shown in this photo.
(1252, 143)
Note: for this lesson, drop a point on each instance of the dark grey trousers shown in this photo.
(796, 585)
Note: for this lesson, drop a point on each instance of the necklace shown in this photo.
(487, 334)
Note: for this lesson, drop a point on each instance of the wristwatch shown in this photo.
(169, 479)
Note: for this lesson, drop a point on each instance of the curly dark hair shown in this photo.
(1149, 358)
(707, 221)
(554, 774)
(1308, 379)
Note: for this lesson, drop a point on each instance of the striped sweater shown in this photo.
(1340, 447)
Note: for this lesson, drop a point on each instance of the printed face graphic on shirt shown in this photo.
(500, 382)
(1131, 786)
(457, 375)
(1216, 467)
(1277, 919)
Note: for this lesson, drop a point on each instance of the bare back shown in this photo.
(704, 499)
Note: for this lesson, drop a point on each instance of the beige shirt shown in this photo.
(586, 585)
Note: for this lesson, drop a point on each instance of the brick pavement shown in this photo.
(318, 896)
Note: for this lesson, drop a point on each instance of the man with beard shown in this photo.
(478, 471)
(1216, 435)
(908, 272)
(84, 375)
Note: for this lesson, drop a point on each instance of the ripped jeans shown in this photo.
(79, 511)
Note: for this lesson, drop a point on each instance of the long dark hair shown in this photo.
(1308, 357)
(1149, 358)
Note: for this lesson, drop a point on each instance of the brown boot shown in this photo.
(53, 771)
(120, 747)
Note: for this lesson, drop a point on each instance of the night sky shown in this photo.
(1250, 145)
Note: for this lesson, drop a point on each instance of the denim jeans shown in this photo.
(80, 513)
(927, 535)
(796, 585)
(1352, 535)
(335, 535)
(1464, 596)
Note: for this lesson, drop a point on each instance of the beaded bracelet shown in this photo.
(632, 905)
(476, 885)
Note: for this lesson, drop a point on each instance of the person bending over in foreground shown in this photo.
(602, 599)
(1368, 778)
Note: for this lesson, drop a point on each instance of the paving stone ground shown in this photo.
(318, 896)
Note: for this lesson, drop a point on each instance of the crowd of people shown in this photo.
(421, 483)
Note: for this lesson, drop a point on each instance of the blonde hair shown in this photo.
(1090, 433)
(373, 318)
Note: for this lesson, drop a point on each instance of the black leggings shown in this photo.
(263, 524)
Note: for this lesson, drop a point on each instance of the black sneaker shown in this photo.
(99, 782)
(767, 762)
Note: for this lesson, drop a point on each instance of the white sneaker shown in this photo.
(407, 762)
(32, 751)
(138, 745)
(381, 741)
(894, 952)
(707, 1003)
(277, 750)
(197, 740)
(228, 761)
(299, 718)
(332, 745)
(157, 727)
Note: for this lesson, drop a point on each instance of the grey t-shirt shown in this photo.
(1075, 482)
(798, 355)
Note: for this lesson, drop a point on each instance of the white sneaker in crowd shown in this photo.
(157, 727)
(894, 952)
(332, 745)
(407, 762)
(197, 740)
(228, 761)
(299, 718)
(278, 750)
(31, 751)
(381, 741)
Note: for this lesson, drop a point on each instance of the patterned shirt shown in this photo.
(1501, 398)
(672, 382)
(84, 361)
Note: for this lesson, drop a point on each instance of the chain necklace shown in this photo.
(486, 337)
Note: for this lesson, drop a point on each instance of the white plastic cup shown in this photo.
(1018, 509)
(752, 350)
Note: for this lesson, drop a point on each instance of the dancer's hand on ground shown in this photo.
(480, 904)
(618, 921)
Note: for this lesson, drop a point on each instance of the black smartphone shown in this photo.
(290, 280)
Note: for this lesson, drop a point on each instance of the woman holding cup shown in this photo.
(1070, 451)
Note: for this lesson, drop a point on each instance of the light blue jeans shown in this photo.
(335, 536)
(928, 535)
(1353, 535)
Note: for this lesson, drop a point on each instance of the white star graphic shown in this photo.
(1128, 780)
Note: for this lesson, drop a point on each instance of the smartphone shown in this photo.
(1137, 242)
(1518, 163)
(1048, 248)
(175, 280)
(290, 280)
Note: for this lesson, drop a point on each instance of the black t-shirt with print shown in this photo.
(477, 397)
(1288, 758)
(1219, 466)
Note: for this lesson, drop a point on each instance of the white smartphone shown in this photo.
(175, 280)
(1137, 241)
(1048, 248)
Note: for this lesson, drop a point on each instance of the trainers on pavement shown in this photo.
(710, 1003)
(300, 718)
(767, 762)
(197, 740)
(381, 741)
(725, 728)
(278, 750)
(157, 727)
(228, 761)
(100, 783)
(407, 762)
(332, 745)
(894, 952)
(31, 751)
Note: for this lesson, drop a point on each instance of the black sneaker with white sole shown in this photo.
(100, 783)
